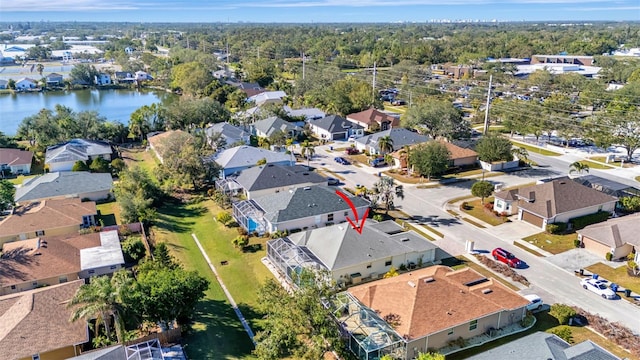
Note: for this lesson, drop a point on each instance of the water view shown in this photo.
(115, 105)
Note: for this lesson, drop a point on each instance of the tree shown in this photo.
(100, 165)
(438, 119)
(38, 53)
(562, 312)
(7, 193)
(146, 119)
(80, 166)
(117, 165)
(494, 148)
(385, 143)
(39, 68)
(385, 191)
(192, 77)
(430, 356)
(240, 241)
(84, 74)
(430, 159)
(482, 189)
(564, 333)
(578, 167)
(521, 153)
(630, 203)
(133, 249)
(137, 194)
(307, 150)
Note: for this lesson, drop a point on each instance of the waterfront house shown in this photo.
(26, 84)
(62, 157)
(54, 79)
(102, 79)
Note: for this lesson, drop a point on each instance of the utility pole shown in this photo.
(373, 84)
(303, 66)
(486, 109)
(258, 52)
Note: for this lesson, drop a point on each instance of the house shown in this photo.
(335, 127)
(249, 88)
(16, 160)
(267, 97)
(460, 157)
(54, 79)
(374, 120)
(50, 260)
(243, 157)
(266, 127)
(60, 185)
(401, 137)
(306, 113)
(26, 84)
(607, 186)
(562, 59)
(149, 350)
(4, 84)
(617, 236)
(49, 217)
(230, 133)
(349, 256)
(542, 345)
(62, 157)
(35, 324)
(299, 208)
(142, 76)
(102, 79)
(552, 202)
(435, 305)
(270, 179)
(124, 77)
(157, 141)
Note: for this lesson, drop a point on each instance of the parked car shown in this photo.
(377, 162)
(398, 102)
(506, 257)
(341, 160)
(535, 302)
(599, 287)
(332, 181)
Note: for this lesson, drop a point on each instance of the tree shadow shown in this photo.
(252, 248)
(12, 261)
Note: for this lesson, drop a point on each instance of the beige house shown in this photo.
(47, 218)
(35, 324)
(28, 264)
(554, 201)
(618, 236)
(435, 305)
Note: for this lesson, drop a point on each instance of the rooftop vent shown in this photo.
(412, 284)
(487, 291)
(476, 282)
(429, 279)
(404, 239)
(306, 188)
(305, 173)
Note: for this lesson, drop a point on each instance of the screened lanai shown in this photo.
(367, 335)
(291, 259)
(249, 215)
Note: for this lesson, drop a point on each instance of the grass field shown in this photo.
(595, 165)
(554, 244)
(109, 213)
(476, 209)
(20, 179)
(526, 248)
(618, 276)
(535, 149)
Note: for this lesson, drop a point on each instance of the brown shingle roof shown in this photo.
(456, 151)
(15, 157)
(47, 214)
(37, 321)
(372, 115)
(42, 258)
(158, 142)
(427, 307)
(556, 197)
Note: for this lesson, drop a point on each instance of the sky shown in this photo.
(317, 11)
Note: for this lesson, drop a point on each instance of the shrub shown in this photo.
(133, 249)
(608, 256)
(224, 217)
(564, 333)
(378, 217)
(630, 203)
(488, 206)
(562, 313)
(577, 243)
(464, 206)
(402, 267)
(582, 221)
(556, 228)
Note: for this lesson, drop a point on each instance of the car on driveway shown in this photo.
(377, 162)
(506, 257)
(599, 287)
(535, 302)
(332, 181)
(341, 160)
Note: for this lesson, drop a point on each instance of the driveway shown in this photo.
(575, 259)
(514, 230)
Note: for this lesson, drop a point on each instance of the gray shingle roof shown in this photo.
(304, 202)
(615, 232)
(340, 246)
(400, 137)
(544, 346)
(242, 156)
(272, 175)
(272, 124)
(59, 184)
(76, 150)
(229, 132)
(335, 124)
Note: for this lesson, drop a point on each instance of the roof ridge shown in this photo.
(15, 314)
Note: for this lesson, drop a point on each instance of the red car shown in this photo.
(506, 257)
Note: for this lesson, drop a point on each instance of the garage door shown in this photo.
(595, 247)
(532, 219)
(340, 136)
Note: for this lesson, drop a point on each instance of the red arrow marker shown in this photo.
(357, 227)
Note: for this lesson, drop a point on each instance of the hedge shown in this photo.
(583, 221)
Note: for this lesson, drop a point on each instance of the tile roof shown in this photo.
(615, 232)
(272, 124)
(15, 157)
(400, 137)
(47, 214)
(555, 197)
(544, 346)
(76, 150)
(372, 115)
(304, 202)
(340, 246)
(244, 156)
(335, 124)
(37, 321)
(436, 298)
(43, 258)
(272, 175)
(58, 184)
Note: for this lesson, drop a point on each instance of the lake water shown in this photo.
(115, 105)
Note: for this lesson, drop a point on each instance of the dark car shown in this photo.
(506, 257)
(332, 181)
(341, 160)
(377, 162)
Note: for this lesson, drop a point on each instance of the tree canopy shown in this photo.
(437, 119)
(430, 159)
(494, 148)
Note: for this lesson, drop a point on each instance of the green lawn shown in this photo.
(595, 165)
(109, 213)
(217, 333)
(618, 276)
(476, 209)
(139, 156)
(554, 244)
(20, 179)
(535, 149)
(526, 248)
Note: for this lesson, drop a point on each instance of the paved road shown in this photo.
(552, 282)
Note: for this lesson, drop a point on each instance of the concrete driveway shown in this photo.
(514, 230)
(575, 259)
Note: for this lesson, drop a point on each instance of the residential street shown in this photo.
(553, 283)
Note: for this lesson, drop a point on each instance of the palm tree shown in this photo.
(385, 144)
(264, 143)
(100, 300)
(521, 153)
(578, 167)
(289, 144)
(40, 68)
(308, 150)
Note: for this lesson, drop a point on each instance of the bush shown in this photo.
(224, 217)
(464, 206)
(583, 221)
(133, 249)
(556, 228)
(562, 313)
(378, 217)
(577, 243)
(608, 256)
(564, 333)
(488, 206)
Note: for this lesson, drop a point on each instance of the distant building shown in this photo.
(16, 160)
(62, 157)
(102, 79)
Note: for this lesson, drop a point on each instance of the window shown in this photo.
(473, 325)
(387, 263)
(450, 332)
(40, 233)
(330, 217)
(13, 287)
(35, 357)
(113, 267)
(62, 279)
(35, 283)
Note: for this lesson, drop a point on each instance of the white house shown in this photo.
(103, 79)
(16, 160)
(26, 84)
(62, 157)
(142, 76)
